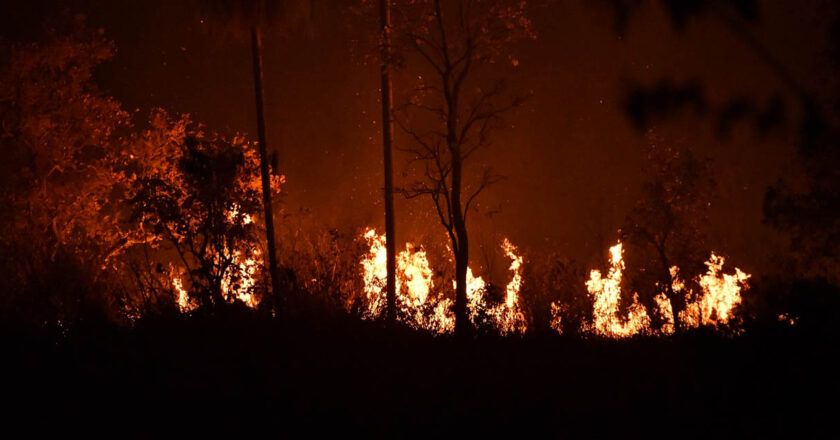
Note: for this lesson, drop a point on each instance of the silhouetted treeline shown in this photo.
(808, 214)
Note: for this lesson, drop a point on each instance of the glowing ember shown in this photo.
(666, 313)
(557, 317)
(788, 319)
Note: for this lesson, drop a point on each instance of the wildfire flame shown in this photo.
(413, 285)
(237, 283)
(506, 317)
(185, 303)
(606, 295)
(666, 313)
(245, 271)
(714, 305)
(721, 294)
(419, 306)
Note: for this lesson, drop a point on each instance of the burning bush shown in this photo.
(194, 198)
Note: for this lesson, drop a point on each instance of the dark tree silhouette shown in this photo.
(809, 215)
(457, 112)
(665, 228)
(199, 200)
(253, 17)
(387, 142)
(812, 215)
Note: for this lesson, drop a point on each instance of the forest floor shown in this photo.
(241, 372)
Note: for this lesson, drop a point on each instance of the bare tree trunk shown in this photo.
(462, 322)
(462, 250)
(256, 46)
(387, 140)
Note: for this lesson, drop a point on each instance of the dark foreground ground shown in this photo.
(241, 372)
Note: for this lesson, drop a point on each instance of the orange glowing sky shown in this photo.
(572, 158)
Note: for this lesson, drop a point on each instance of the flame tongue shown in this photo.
(239, 280)
(420, 307)
(414, 284)
(606, 296)
(417, 303)
(714, 305)
(721, 294)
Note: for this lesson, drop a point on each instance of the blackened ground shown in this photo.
(243, 372)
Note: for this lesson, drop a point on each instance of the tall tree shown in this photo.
(452, 115)
(255, 16)
(387, 141)
(665, 228)
(259, 98)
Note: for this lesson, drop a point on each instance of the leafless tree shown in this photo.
(452, 114)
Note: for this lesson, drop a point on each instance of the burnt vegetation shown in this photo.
(139, 286)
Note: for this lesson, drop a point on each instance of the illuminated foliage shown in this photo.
(59, 142)
(59, 136)
(195, 197)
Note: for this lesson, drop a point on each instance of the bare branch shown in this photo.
(487, 179)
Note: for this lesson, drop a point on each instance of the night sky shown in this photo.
(142, 287)
(571, 156)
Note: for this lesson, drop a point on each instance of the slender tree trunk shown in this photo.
(256, 46)
(462, 319)
(387, 141)
(462, 250)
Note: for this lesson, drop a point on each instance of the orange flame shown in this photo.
(506, 317)
(666, 313)
(185, 303)
(721, 294)
(606, 295)
(419, 307)
(414, 284)
(714, 306)
(243, 270)
(246, 272)
(557, 317)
